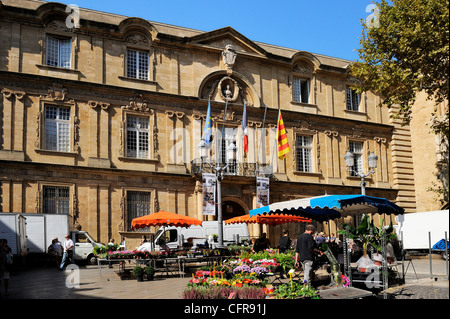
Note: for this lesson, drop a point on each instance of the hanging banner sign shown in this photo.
(262, 191)
(209, 193)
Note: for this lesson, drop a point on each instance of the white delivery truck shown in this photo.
(177, 237)
(13, 229)
(420, 231)
(33, 233)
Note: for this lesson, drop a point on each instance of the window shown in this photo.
(137, 64)
(138, 204)
(138, 137)
(357, 149)
(56, 200)
(57, 128)
(228, 150)
(304, 153)
(300, 90)
(59, 51)
(353, 100)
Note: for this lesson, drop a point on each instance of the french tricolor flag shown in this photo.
(244, 128)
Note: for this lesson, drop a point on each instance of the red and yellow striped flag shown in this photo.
(283, 145)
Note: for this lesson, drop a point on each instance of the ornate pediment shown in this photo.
(228, 36)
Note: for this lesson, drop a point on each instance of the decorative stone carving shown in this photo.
(354, 80)
(229, 57)
(137, 39)
(297, 69)
(380, 139)
(9, 94)
(331, 133)
(57, 25)
(102, 105)
(228, 89)
(57, 93)
(303, 67)
(138, 103)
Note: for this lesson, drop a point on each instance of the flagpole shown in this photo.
(260, 143)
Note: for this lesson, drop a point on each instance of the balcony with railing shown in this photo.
(233, 169)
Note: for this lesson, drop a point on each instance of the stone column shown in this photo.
(7, 127)
(104, 213)
(6, 200)
(93, 220)
(104, 132)
(19, 117)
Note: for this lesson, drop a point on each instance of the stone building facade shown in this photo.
(102, 121)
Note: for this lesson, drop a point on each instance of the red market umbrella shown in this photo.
(275, 219)
(164, 218)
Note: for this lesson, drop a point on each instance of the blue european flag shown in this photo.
(207, 129)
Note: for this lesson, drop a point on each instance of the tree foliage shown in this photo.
(405, 50)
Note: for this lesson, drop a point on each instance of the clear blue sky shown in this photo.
(329, 27)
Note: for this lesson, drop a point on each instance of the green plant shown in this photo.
(98, 250)
(295, 290)
(149, 271)
(286, 261)
(138, 271)
(367, 233)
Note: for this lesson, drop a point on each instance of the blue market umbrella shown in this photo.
(328, 207)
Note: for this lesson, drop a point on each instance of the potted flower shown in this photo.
(149, 272)
(138, 272)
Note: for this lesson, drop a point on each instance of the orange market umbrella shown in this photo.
(164, 218)
(275, 219)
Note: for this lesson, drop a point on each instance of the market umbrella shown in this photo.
(164, 218)
(275, 219)
(328, 207)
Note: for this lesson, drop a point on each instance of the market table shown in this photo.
(169, 262)
(344, 293)
(166, 266)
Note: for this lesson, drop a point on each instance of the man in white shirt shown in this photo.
(68, 252)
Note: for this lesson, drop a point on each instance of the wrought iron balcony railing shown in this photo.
(234, 169)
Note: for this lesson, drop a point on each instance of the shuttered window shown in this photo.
(56, 200)
(138, 204)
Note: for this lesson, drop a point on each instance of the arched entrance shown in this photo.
(231, 209)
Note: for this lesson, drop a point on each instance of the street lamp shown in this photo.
(218, 169)
(219, 176)
(350, 162)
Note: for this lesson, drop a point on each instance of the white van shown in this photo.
(177, 237)
(84, 246)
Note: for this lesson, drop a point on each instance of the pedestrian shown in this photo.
(332, 238)
(111, 247)
(59, 249)
(304, 252)
(143, 240)
(52, 252)
(320, 239)
(261, 243)
(5, 263)
(68, 252)
(285, 241)
(111, 244)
